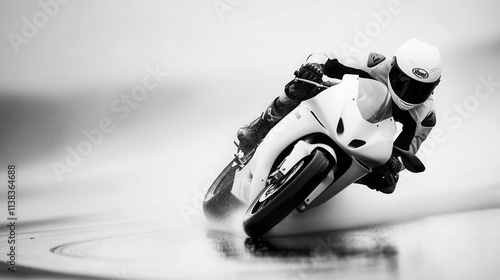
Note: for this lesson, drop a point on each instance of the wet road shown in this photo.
(454, 246)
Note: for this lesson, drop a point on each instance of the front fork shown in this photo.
(301, 150)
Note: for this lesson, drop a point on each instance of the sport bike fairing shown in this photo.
(356, 114)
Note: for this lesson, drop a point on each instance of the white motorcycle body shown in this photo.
(352, 121)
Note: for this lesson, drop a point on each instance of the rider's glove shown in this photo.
(393, 165)
(312, 72)
(300, 90)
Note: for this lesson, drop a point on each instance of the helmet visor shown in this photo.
(408, 89)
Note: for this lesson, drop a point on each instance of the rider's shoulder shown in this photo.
(374, 59)
(374, 64)
(366, 60)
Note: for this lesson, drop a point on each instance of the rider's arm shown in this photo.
(364, 65)
(417, 125)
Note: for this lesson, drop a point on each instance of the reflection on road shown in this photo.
(463, 245)
(312, 254)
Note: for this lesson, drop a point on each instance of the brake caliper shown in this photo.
(275, 177)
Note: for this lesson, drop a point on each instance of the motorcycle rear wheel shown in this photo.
(219, 202)
(279, 199)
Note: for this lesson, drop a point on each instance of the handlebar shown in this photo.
(323, 85)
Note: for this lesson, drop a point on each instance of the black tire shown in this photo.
(284, 196)
(219, 202)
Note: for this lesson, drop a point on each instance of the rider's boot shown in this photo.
(251, 134)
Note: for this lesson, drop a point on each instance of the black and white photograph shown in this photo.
(233, 139)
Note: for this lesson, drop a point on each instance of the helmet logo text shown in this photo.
(421, 73)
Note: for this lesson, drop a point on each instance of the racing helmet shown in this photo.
(415, 72)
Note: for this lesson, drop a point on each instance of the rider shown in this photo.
(411, 76)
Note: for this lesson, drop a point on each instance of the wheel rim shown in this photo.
(275, 188)
(262, 217)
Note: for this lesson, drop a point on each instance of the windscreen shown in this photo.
(374, 101)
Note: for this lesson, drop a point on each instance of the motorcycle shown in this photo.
(324, 145)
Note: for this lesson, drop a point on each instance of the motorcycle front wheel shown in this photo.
(278, 199)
